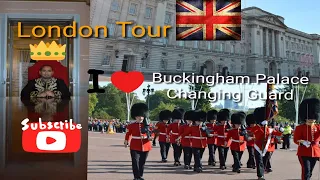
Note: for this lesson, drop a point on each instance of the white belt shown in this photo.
(138, 137)
(199, 137)
(188, 137)
(175, 133)
(221, 136)
(235, 140)
(163, 133)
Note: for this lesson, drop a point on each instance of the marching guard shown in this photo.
(262, 136)
(140, 143)
(250, 143)
(186, 140)
(307, 136)
(237, 137)
(212, 141)
(199, 138)
(221, 130)
(161, 128)
(173, 134)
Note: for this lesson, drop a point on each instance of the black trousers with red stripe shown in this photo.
(307, 165)
(187, 155)
(177, 151)
(212, 151)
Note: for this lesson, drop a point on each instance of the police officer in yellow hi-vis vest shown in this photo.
(287, 131)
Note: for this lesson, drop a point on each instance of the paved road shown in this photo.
(108, 159)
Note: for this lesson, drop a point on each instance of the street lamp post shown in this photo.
(148, 91)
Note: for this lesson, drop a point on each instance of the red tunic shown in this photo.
(162, 128)
(263, 139)
(211, 140)
(186, 140)
(251, 142)
(199, 138)
(173, 132)
(139, 141)
(221, 133)
(311, 134)
(237, 142)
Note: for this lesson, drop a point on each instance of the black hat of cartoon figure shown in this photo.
(189, 115)
(309, 109)
(165, 115)
(200, 115)
(259, 114)
(177, 113)
(223, 115)
(139, 109)
(250, 119)
(238, 118)
(212, 115)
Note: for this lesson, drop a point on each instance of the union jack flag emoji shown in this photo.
(208, 20)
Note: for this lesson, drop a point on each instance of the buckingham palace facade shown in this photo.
(267, 45)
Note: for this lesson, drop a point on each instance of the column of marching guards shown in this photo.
(193, 131)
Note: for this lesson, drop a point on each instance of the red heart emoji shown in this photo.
(127, 82)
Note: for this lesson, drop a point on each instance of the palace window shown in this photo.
(106, 60)
(232, 48)
(232, 68)
(221, 47)
(163, 64)
(242, 35)
(194, 65)
(115, 5)
(179, 65)
(219, 68)
(242, 68)
(180, 43)
(133, 9)
(195, 44)
(111, 29)
(148, 12)
(209, 45)
(145, 62)
(168, 19)
(165, 40)
(129, 31)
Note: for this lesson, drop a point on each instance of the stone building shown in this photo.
(267, 45)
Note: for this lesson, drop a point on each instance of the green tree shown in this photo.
(93, 100)
(203, 103)
(287, 107)
(154, 114)
(101, 114)
(161, 96)
(111, 103)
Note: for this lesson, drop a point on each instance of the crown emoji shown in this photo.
(47, 51)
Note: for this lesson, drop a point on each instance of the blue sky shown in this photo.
(298, 15)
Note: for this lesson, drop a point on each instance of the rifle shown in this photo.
(204, 128)
(146, 127)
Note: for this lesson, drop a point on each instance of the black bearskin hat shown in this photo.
(259, 114)
(177, 113)
(250, 119)
(189, 115)
(309, 109)
(243, 113)
(212, 115)
(223, 115)
(165, 115)
(139, 109)
(200, 115)
(238, 118)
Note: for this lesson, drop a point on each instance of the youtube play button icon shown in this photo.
(51, 140)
